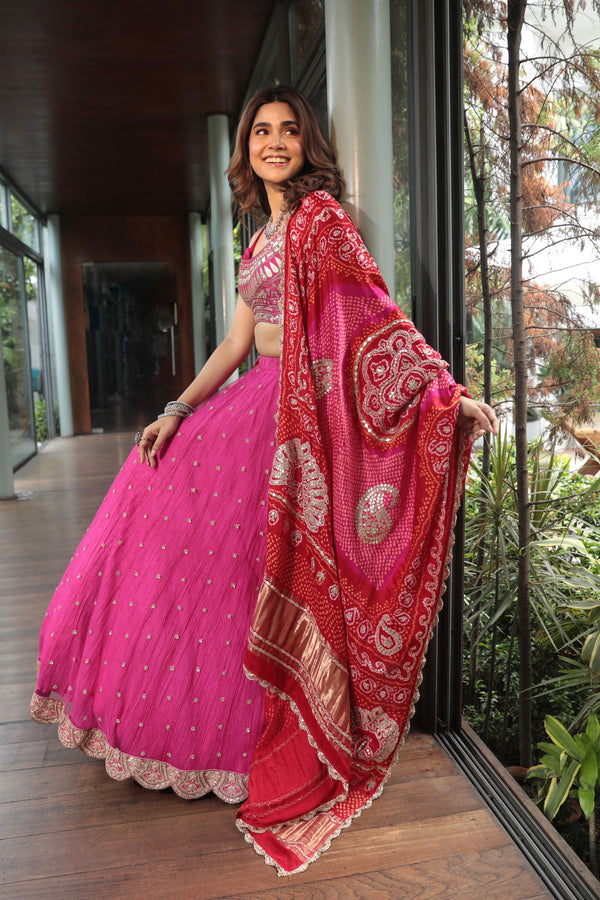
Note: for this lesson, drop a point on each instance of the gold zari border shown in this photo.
(231, 787)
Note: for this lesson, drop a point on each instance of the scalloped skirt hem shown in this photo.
(231, 787)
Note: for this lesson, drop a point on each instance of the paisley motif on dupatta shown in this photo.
(363, 496)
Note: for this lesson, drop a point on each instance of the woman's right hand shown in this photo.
(154, 436)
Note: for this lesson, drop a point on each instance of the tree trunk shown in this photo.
(516, 15)
(592, 843)
(478, 176)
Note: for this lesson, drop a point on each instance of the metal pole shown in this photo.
(198, 298)
(57, 323)
(359, 100)
(221, 224)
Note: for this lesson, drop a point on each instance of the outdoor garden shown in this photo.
(532, 569)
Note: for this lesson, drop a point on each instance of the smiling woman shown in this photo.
(319, 169)
(276, 154)
(275, 147)
(258, 530)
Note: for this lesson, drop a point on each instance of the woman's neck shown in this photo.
(275, 198)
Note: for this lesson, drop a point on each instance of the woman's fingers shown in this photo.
(155, 447)
(477, 418)
(491, 419)
(145, 441)
(153, 438)
(145, 445)
(486, 417)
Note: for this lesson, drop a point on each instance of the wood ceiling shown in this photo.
(103, 103)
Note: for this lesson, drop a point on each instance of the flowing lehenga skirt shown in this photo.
(140, 658)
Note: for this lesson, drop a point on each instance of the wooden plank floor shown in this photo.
(68, 831)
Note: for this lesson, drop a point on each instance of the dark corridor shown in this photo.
(132, 342)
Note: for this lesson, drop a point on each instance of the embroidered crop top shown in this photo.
(260, 279)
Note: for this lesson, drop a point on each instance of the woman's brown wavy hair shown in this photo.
(320, 171)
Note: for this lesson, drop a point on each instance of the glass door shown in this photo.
(15, 354)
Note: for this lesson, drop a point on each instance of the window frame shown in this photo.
(19, 248)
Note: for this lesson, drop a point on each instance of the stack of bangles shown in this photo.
(174, 408)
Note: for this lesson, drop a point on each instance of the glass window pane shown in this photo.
(35, 326)
(24, 224)
(398, 14)
(13, 330)
(310, 21)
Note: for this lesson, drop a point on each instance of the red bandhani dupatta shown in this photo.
(366, 481)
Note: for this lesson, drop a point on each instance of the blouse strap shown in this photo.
(255, 241)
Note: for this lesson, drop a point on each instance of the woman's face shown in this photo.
(275, 145)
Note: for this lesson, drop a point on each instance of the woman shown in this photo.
(340, 512)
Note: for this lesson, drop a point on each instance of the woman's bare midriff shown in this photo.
(267, 339)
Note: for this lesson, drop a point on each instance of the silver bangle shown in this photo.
(177, 408)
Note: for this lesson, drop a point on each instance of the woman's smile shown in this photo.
(275, 146)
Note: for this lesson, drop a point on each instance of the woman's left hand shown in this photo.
(476, 418)
(154, 436)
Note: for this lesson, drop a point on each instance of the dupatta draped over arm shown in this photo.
(366, 480)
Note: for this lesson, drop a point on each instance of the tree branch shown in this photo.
(568, 159)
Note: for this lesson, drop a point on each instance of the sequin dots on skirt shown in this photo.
(141, 648)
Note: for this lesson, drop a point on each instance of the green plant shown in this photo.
(582, 676)
(564, 581)
(569, 769)
(41, 419)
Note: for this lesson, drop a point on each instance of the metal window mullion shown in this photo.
(37, 226)
(292, 29)
(16, 246)
(314, 71)
(45, 346)
(552, 867)
(435, 102)
(6, 216)
(27, 347)
(424, 257)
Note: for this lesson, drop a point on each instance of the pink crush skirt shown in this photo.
(140, 658)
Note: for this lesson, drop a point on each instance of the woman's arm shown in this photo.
(232, 351)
